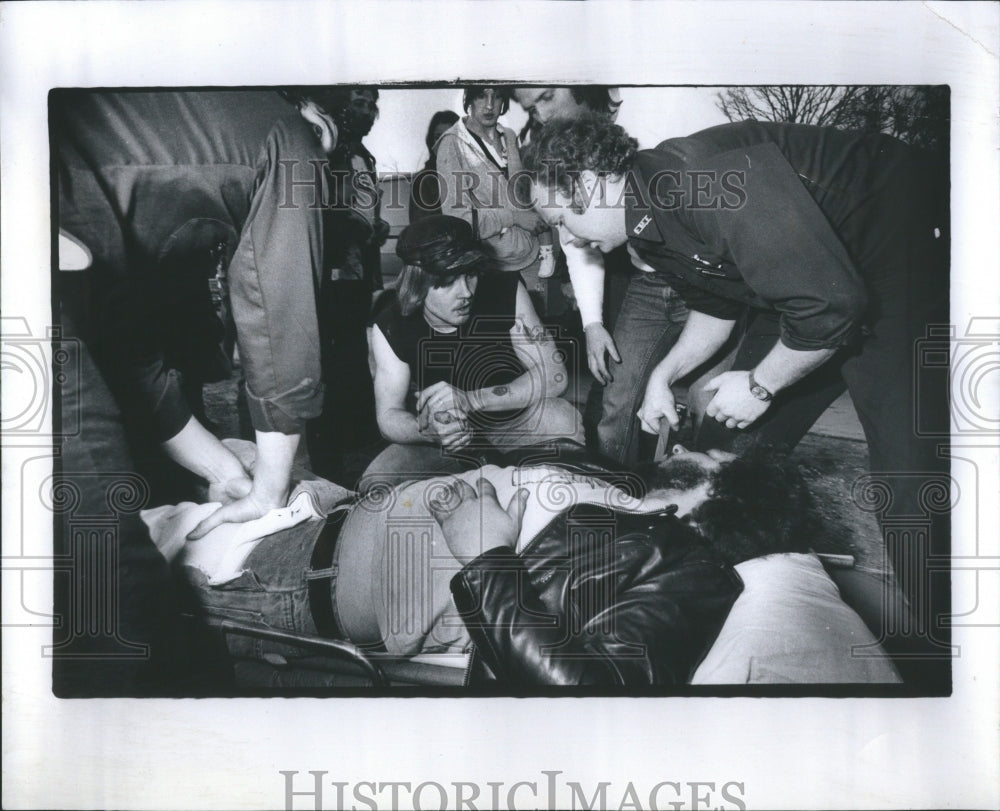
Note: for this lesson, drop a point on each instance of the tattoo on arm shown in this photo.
(536, 335)
(500, 391)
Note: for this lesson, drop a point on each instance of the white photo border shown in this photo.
(785, 753)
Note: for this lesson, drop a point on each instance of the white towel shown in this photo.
(220, 555)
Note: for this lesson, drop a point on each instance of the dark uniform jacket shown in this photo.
(784, 217)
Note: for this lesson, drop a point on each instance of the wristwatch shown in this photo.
(758, 390)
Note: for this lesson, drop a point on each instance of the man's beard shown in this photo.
(673, 474)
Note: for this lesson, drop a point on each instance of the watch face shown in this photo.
(760, 392)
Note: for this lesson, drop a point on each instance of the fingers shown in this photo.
(518, 503)
(223, 515)
(613, 351)
(238, 488)
(649, 421)
(464, 490)
(650, 417)
(486, 489)
(443, 417)
(429, 392)
(457, 442)
(598, 369)
(714, 383)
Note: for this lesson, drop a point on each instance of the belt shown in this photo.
(321, 572)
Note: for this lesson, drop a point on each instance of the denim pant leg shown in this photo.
(548, 419)
(271, 591)
(401, 463)
(651, 318)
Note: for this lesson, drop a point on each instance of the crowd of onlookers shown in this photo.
(760, 267)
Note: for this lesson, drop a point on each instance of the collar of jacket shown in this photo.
(640, 223)
(461, 131)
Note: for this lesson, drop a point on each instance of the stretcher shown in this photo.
(298, 663)
(334, 663)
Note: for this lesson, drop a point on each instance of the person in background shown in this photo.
(354, 233)
(600, 283)
(479, 169)
(462, 361)
(425, 191)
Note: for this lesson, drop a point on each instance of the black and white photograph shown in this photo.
(370, 411)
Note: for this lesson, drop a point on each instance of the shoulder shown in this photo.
(387, 313)
(293, 138)
(451, 137)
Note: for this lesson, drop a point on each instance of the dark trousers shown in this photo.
(348, 419)
(118, 628)
(904, 413)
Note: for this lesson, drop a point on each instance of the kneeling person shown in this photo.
(462, 361)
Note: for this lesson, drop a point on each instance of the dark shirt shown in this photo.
(425, 192)
(477, 355)
(784, 217)
(350, 252)
(152, 182)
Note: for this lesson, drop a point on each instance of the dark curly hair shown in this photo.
(563, 149)
(448, 117)
(595, 96)
(759, 504)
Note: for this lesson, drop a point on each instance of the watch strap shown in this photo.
(758, 390)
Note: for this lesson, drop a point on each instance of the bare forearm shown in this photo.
(544, 378)
(199, 451)
(586, 272)
(273, 469)
(521, 392)
(399, 425)
(702, 336)
(782, 366)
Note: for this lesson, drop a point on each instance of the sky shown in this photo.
(650, 114)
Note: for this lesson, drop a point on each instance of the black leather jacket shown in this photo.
(600, 599)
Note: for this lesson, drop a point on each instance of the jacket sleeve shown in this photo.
(273, 278)
(116, 313)
(658, 626)
(783, 245)
(459, 197)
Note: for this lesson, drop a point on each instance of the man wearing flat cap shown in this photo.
(462, 361)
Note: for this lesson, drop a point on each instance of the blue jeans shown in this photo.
(546, 420)
(273, 590)
(651, 318)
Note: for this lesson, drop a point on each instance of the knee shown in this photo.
(560, 419)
